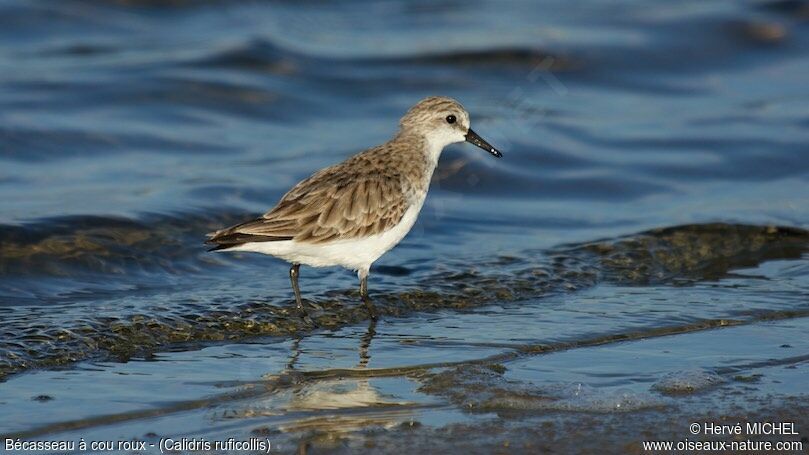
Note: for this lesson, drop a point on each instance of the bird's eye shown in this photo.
(450, 119)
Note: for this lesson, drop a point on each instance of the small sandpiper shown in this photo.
(352, 213)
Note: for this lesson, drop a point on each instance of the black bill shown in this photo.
(473, 138)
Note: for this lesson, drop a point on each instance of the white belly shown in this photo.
(355, 254)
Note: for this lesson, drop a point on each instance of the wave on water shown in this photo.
(75, 245)
(676, 256)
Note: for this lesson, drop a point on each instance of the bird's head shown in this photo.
(442, 121)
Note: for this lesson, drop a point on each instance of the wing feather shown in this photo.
(332, 204)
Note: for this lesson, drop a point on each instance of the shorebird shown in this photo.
(352, 213)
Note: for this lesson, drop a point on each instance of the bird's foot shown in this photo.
(307, 320)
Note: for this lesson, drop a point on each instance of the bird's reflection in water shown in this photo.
(365, 345)
(295, 352)
(326, 411)
(364, 350)
(339, 393)
(332, 408)
(323, 401)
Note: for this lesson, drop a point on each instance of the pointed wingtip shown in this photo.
(222, 246)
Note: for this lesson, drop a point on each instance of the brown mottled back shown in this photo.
(365, 195)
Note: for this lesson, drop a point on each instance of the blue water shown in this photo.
(130, 128)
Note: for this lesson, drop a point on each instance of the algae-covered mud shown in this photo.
(674, 256)
(636, 263)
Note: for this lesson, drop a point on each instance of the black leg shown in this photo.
(364, 295)
(293, 278)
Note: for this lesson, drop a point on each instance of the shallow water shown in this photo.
(640, 250)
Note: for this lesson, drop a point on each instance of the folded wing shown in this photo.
(330, 205)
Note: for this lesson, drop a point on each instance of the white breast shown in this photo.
(355, 254)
